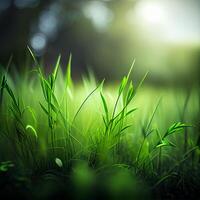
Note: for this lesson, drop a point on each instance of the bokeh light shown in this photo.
(163, 36)
(38, 42)
(98, 13)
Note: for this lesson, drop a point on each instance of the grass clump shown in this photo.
(54, 129)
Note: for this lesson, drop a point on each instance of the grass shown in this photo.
(92, 140)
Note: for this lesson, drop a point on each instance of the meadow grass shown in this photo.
(139, 136)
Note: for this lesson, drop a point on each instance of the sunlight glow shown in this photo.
(168, 21)
(152, 13)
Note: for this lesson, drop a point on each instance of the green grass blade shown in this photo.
(85, 100)
(44, 109)
(32, 55)
(105, 107)
(142, 81)
(55, 72)
(32, 129)
(68, 79)
(176, 127)
(151, 118)
(131, 69)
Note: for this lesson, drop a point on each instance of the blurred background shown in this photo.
(105, 36)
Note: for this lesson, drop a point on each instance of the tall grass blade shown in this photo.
(68, 79)
(85, 100)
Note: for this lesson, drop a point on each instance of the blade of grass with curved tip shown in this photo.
(130, 111)
(123, 129)
(32, 129)
(175, 128)
(147, 132)
(85, 100)
(33, 56)
(126, 114)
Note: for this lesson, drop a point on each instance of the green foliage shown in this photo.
(32, 129)
(176, 127)
(68, 78)
(48, 122)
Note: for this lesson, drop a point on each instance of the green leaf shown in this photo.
(125, 79)
(122, 85)
(3, 82)
(151, 118)
(51, 81)
(32, 54)
(54, 108)
(176, 127)
(165, 142)
(130, 93)
(68, 78)
(124, 128)
(126, 114)
(10, 92)
(130, 70)
(32, 129)
(141, 82)
(44, 109)
(47, 89)
(85, 100)
(105, 107)
(130, 111)
(55, 73)
(55, 100)
(105, 122)
(123, 116)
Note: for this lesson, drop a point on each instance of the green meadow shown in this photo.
(93, 139)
